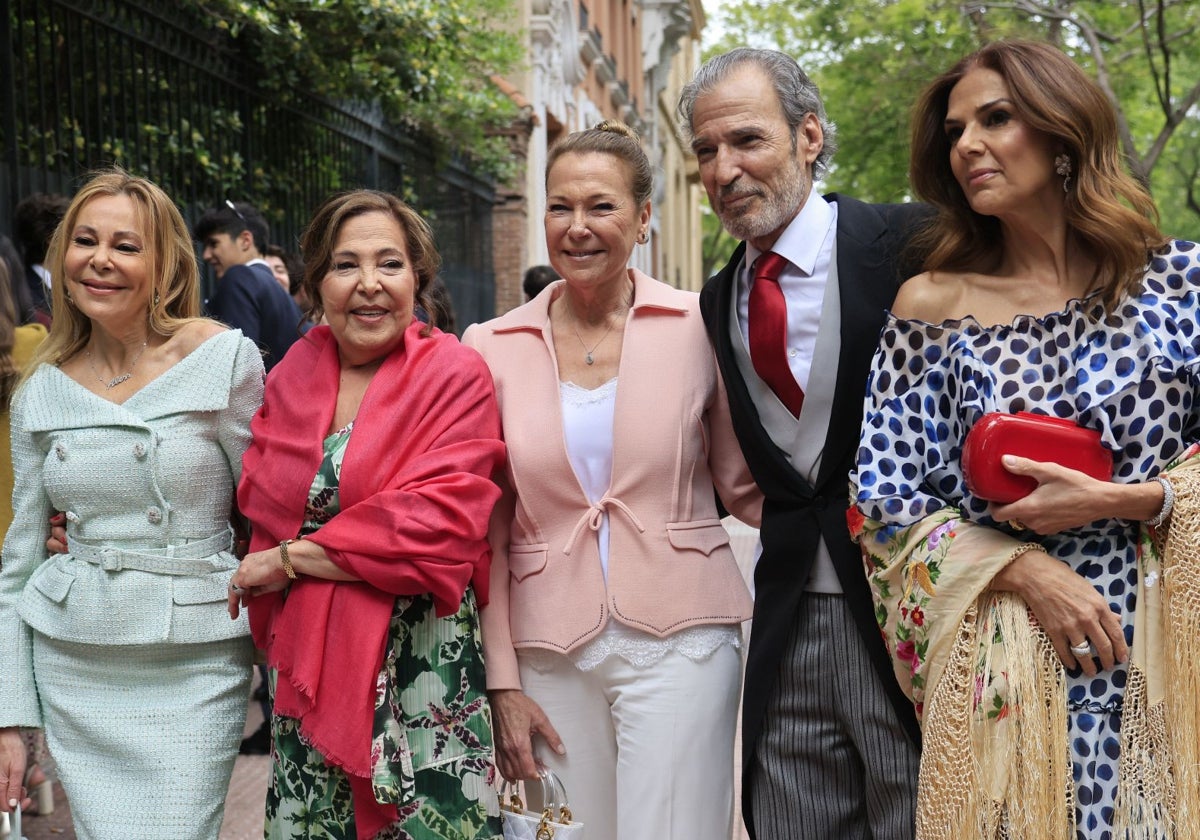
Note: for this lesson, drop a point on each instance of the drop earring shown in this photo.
(1062, 166)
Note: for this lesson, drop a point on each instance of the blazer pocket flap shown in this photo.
(705, 536)
(53, 582)
(526, 560)
(204, 589)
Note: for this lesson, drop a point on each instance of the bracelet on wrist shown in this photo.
(285, 560)
(1168, 503)
(1021, 549)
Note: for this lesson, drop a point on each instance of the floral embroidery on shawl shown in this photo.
(984, 680)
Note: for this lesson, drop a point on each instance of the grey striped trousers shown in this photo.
(833, 760)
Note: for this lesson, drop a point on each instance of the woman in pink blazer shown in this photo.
(616, 602)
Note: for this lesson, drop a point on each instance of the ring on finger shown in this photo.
(235, 587)
(1016, 525)
(1082, 649)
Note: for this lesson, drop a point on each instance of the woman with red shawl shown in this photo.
(368, 490)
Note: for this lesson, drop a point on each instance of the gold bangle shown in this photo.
(285, 560)
(1021, 549)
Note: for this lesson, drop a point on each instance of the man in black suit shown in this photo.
(829, 741)
(248, 296)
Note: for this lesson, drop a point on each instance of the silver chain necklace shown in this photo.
(109, 384)
(588, 353)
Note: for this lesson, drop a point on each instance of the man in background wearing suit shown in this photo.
(248, 297)
(829, 741)
(35, 219)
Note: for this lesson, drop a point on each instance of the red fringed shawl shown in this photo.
(416, 494)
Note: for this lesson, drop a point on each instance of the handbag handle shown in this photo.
(554, 795)
(554, 798)
(514, 802)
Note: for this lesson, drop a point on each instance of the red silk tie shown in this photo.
(768, 331)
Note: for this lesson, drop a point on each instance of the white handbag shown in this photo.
(555, 822)
(12, 830)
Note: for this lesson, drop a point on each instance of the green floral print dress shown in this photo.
(432, 742)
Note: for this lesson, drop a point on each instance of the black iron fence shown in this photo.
(164, 93)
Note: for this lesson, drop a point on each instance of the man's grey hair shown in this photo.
(797, 93)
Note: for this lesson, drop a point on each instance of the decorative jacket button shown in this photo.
(154, 515)
(61, 451)
(139, 451)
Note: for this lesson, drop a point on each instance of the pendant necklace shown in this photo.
(109, 384)
(588, 353)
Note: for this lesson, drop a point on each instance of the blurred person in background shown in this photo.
(35, 219)
(292, 264)
(18, 291)
(537, 277)
(274, 257)
(248, 295)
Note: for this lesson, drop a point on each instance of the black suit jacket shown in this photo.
(796, 514)
(249, 298)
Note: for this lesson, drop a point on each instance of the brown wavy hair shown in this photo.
(320, 238)
(170, 263)
(1111, 215)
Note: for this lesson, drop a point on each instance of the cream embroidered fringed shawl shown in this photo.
(990, 690)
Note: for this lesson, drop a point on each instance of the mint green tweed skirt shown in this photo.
(144, 736)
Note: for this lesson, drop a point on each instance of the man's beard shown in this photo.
(778, 207)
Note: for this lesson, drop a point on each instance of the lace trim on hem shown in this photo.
(639, 649)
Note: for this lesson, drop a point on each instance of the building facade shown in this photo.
(590, 60)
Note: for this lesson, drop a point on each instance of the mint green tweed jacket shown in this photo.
(145, 478)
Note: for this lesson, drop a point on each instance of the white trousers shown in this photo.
(649, 751)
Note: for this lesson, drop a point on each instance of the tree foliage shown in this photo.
(716, 244)
(872, 57)
(427, 65)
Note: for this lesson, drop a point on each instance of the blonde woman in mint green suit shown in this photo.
(132, 421)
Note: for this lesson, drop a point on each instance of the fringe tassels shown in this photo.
(1158, 797)
(1004, 776)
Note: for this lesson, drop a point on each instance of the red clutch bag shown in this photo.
(1033, 436)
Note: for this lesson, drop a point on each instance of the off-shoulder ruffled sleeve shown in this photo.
(1130, 374)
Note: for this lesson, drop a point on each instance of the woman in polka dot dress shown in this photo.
(1048, 289)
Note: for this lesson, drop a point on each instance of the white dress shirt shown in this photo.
(806, 243)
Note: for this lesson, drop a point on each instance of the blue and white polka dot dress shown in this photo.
(1134, 375)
